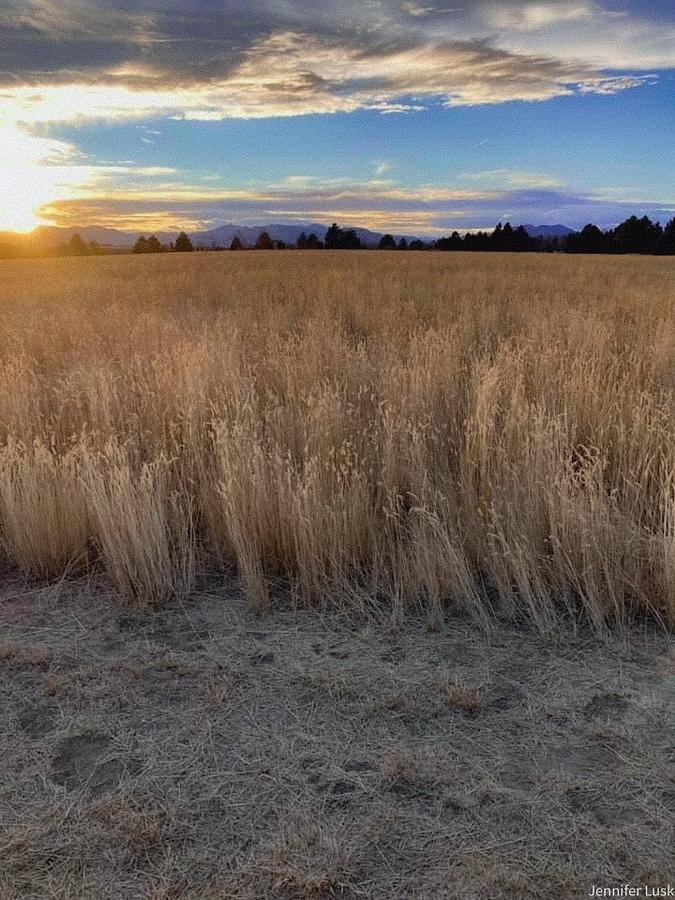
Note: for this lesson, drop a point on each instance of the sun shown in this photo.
(32, 173)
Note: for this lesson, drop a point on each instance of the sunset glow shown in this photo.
(157, 119)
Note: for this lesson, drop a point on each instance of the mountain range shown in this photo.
(278, 231)
(548, 230)
(50, 236)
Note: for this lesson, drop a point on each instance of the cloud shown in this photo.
(258, 58)
(290, 74)
(381, 167)
(602, 37)
(508, 178)
(168, 204)
(531, 16)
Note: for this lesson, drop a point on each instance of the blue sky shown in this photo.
(415, 117)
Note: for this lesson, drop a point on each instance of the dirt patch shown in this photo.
(83, 762)
(37, 721)
(606, 706)
(205, 753)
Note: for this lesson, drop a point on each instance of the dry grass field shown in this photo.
(490, 432)
(336, 575)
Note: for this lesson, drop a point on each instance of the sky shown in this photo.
(409, 116)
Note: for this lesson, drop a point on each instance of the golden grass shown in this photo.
(495, 432)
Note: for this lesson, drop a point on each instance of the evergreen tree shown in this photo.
(521, 241)
(589, 240)
(333, 237)
(636, 236)
(666, 243)
(387, 242)
(454, 242)
(264, 242)
(76, 246)
(183, 243)
(341, 239)
(349, 240)
(148, 245)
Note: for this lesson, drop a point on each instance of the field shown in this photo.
(492, 432)
(336, 574)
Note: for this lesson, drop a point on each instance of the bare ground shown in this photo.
(203, 752)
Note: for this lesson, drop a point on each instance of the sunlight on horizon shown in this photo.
(32, 174)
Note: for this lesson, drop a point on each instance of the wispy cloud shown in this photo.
(166, 203)
(507, 178)
(381, 167)
(532, 15)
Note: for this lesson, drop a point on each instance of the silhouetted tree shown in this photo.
(76, 246)
(454, 242)
(480, 240)
(402, 244)
(183, 243)
(636, 236)
(350, 240)
(497, 239)
(340, 239)
(236, 243)
(502, 239)
(589, 240)
(387, 242)
(264, 242)
(301, 243)
(313, 243)
(332, 239)
(666, 243)
(521, 241)
(417, 244)
(148, 245)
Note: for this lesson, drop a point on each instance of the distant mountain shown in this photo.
(53, 236)
(287, 232)
(548, 230)
(223, 235)
(49, 237)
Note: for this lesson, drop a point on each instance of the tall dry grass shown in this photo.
(494, 432)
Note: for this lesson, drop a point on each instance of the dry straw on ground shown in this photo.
(200, 752)
(490, 431)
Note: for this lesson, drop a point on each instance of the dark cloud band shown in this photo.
(278, 56)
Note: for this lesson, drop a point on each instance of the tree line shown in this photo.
(634, 235)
